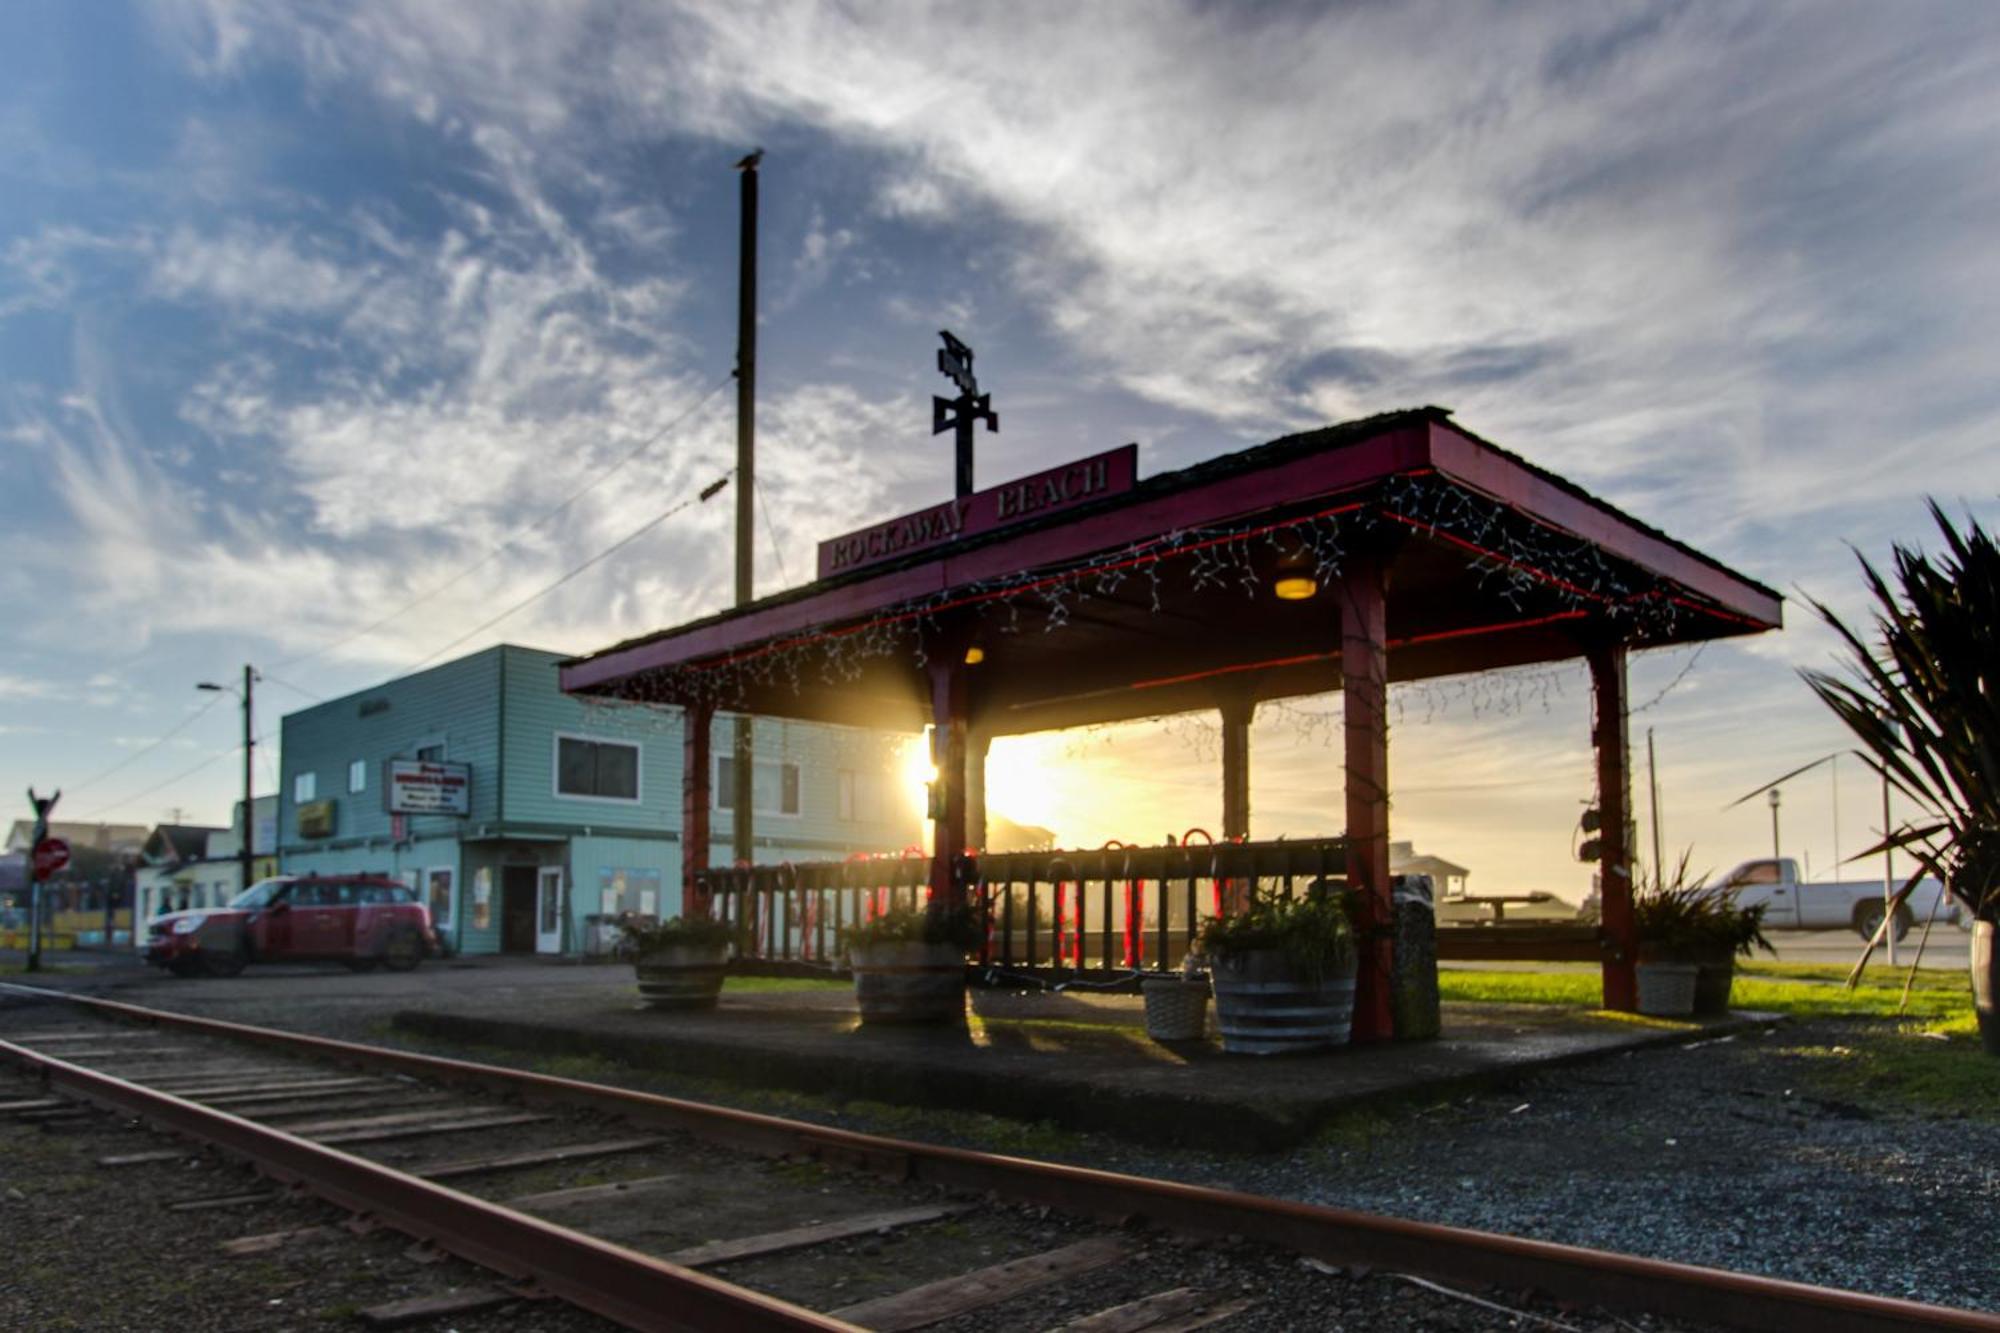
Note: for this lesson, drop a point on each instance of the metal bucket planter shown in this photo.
(1263, 1008)
(1667, 990)
(1986, 985)
(1713, 984)
(1176, 1008)
(909, 982)
(682, 976)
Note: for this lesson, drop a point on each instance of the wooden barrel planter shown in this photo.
(1263, 1008)
(909, 982)
(682, 976)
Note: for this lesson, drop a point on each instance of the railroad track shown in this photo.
(662, 1213)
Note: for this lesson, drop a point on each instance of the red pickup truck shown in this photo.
(364, 921)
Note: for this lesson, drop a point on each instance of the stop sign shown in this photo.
(51, 855)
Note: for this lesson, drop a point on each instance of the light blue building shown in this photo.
(556, 812)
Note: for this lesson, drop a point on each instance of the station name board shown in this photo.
(419, 787)
(1063, 487)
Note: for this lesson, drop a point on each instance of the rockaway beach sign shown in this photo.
(1063, 487)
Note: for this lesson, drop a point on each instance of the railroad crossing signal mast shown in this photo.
(963, 413)
(43, 805)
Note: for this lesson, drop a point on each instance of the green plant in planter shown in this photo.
(1683, 919)
(954, 926)
(1315, 935)
(684, 932)
(1924, 701)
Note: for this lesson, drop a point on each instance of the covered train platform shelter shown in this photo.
(1397, 548)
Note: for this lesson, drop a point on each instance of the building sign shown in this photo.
(1059, 488)
(316, 819)
(422, 787)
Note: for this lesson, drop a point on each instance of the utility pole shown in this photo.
(246, 848)
(742, 819)
(43, 805)
(1653, 803)
(1888, 868)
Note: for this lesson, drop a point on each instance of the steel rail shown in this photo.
(630, 1288)
(1340, 1236)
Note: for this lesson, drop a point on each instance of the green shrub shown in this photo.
(1315, 934)
(1676, 918)
(936, 924)
(685, 932)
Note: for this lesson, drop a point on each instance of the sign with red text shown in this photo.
(1059, 488)
(420, 787)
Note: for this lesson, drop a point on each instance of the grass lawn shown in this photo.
(766, 985)
(1924, 1057)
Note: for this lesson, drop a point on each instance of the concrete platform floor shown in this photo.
(1076, 1059)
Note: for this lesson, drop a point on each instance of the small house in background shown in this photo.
(528, 820)
(194, 866)
(1447, 878)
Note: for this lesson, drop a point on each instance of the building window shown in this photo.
(774, 786)
(604, 770)
(305, 787)
(438, 896)
(431, 754)
(357, 776)
(859, 796)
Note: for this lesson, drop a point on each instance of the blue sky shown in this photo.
(306, 308)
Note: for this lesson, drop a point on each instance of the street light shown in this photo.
(1774, 824)
(246, 850)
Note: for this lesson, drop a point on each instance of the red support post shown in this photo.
(1364, 667)
(1610, 734)
(948, 753)
(697, 722)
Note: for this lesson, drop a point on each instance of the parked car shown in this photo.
(1794, 904)
(364, 921)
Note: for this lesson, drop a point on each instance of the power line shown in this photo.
(771, 536)
(295, 689)
(151, 746)
(612, 549)
(717, 387)
(217, 757)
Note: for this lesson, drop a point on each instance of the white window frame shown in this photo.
(437, 743)
(305, 787)
(357, 776)
(638, 749)
(715, 787)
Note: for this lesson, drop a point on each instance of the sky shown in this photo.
(309, 310)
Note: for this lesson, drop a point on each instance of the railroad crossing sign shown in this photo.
(963, 413)
(51, 855)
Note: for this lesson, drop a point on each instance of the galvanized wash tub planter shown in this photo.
(1176, 1007)
(908, 981)
(1986, 984)
(1262, 1007)
(1714, 981)
(681, 976)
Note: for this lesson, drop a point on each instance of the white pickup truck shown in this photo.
(1790, 904)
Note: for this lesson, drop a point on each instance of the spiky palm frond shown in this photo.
(1924, 702)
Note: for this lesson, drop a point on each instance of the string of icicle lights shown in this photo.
(1515, 562)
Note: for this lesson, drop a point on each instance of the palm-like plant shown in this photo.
(1924, 702)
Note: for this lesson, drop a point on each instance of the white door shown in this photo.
(549, 910)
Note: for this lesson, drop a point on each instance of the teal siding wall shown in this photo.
(455, 705)
(538, 711)
(500, 711)
(637, 865)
